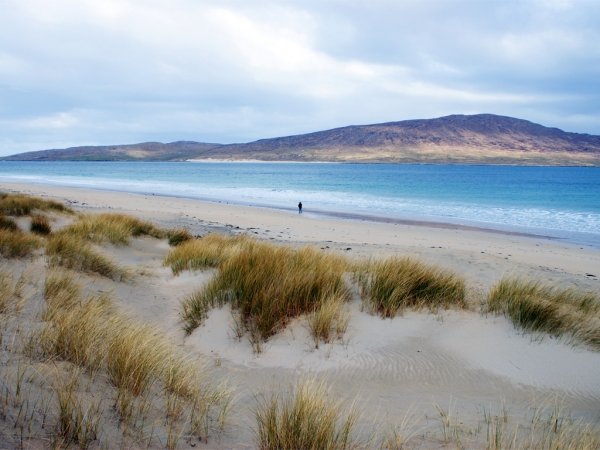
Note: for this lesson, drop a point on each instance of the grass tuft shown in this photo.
(137, 359)
(394, 284)
(268, 285)
(23, 205)
(72, 252)
(310, 419)
(208, 251)
(76, 329)
(40, 225)
(329, 320)
(7, 291)
(16, 244)
(536, 307)
(179, 236)
(60, 292)
(114, 228)
(77, 421)
(6, 223)
(195, 308)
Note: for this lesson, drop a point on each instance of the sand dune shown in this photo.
(462, 360)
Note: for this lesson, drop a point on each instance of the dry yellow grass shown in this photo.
(394, 284)
(60, 292)
(269, 285)
(208, 251)
(114, 228)
(6, 223)
(40, 225)
(311, 419)
(136, 358)
(178, 236)
(76, 327)
(78, 333)
(70, 251)
(6, 291)
(78, 421)
(537, 307)
(544, 428)
(91, 344)
(16, 244)
(23, 205)
(329, 320)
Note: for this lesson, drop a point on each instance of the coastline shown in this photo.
(483, 255)
(459, 224)
(262, 161)
(465, 360)
(412, 196)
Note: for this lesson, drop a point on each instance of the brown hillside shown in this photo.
(473, 139)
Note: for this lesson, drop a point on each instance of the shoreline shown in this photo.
(484, 256)
(430, 224)
(258, 161)
(367, 217)
(478, 202)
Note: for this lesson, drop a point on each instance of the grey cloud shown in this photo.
(85, 72)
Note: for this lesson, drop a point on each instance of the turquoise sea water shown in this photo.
(560, 202)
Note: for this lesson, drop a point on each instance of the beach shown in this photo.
(463, 361)
(483, 255)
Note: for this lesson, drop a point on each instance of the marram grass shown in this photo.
(195, 308)
(40, 225)
(114, 228)
(329, 320)
(6, 291)
(136, 358)
(17, 244)
(537, 307)
(60, 292)
(310, 419)
(75, 327)
(205, 252)
(394, 284)
(79, 421)
(72, 252)
(23, 205)
(178, 236)
(6, 223)
(268, 285)
(77, 333)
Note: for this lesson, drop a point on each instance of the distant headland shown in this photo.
(454, 139)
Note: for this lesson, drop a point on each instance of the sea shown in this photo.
(561, 203)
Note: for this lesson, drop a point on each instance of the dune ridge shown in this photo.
(421, 378)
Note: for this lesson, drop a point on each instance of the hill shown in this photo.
(471, 139)
(145, 151)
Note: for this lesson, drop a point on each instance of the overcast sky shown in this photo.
(78, 72)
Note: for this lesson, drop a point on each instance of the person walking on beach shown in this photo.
(300, 208)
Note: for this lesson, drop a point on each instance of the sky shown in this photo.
(94, 72)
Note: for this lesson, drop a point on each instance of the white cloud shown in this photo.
(61, 120)
(231, 70)
(557, 5)
(543, 49)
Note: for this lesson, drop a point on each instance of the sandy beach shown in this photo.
(460, 360)
(484, 256)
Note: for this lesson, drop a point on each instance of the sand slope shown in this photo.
(461, 360)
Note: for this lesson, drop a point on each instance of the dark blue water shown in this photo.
(556, 201)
